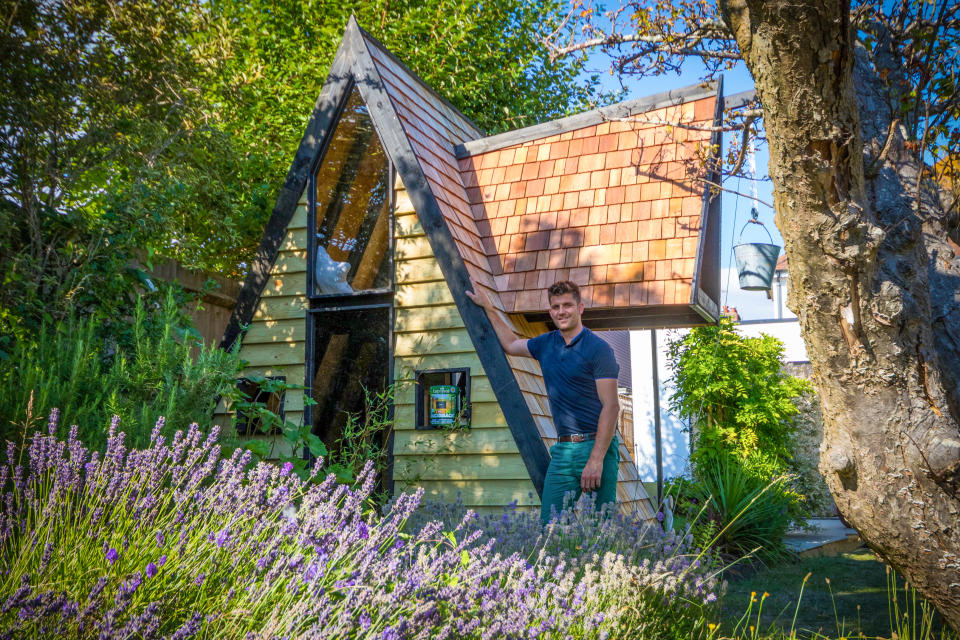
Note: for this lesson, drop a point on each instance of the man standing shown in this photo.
(580, 373)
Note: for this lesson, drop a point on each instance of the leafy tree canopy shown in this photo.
(169, 126)
(271, 60)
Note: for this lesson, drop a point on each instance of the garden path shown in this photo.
(827, 537)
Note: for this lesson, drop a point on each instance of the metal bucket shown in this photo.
(755, 264)
(444, 404)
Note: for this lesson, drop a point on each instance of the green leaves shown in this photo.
(733, 389)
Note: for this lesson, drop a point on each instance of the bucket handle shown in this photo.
(754, 215)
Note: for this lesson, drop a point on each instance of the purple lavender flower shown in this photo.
(130, 585)
(517, 580)
(660, 516)
(54, 419)
(222, 538)
(312, 572)
(286, 468)
(390, 633)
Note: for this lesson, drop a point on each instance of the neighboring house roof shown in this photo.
(457, 200)
(782, 262)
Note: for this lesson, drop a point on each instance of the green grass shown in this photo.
(859, 601)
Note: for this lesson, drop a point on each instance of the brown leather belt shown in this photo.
(578, 437)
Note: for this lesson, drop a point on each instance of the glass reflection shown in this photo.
(352, 355)
(353, 220)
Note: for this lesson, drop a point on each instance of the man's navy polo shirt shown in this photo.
(570, 372)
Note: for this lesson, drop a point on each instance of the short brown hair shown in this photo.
(563, 287)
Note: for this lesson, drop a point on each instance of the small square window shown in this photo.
(443, 399)
(259, 391)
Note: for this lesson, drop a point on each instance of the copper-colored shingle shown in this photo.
(669, 290)
(674, 248)
(608, 234)
(591, 236)
(625, 272)
(580, 275)
(602, 295)
(600, 197)
(598, 274)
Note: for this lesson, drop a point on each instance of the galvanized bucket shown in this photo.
(756, 262)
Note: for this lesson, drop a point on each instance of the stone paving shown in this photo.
(827, 537)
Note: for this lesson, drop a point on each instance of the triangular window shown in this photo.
(352, 199)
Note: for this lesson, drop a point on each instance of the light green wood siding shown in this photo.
(274, 343)
(482, 464)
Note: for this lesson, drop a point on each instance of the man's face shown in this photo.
(565, 311)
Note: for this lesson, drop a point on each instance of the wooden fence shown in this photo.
(211, 311)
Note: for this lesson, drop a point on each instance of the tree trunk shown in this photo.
(874, 285)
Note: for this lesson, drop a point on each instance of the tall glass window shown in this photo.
(351, 297)
(352, 360)
(352, 208)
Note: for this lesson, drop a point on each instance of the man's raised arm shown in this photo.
(508, 340)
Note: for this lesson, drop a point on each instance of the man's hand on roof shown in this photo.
(478, 297)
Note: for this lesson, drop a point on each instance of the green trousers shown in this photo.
(567, 460)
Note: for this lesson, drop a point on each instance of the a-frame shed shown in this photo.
(395, 201)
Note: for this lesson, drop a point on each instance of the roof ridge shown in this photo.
(423, 83)
(589, 118)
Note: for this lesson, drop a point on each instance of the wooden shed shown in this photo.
(395, 201)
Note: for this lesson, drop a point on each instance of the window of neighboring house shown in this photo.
(259, 396)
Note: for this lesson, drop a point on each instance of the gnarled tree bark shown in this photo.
(873, 281)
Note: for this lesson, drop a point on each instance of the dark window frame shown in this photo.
(318, 304)
(245, 428)
(421, 420)
(318, 300)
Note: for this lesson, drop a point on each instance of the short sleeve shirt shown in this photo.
(570, 372)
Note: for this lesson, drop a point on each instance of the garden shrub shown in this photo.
(174, 540)
(141, 373)
(734, 511)
(737, 398)
(740, 404)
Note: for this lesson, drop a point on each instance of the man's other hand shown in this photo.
(590, 478)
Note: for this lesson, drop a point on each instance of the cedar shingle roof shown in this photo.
(613, 207)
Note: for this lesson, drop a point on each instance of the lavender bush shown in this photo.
(175, 541)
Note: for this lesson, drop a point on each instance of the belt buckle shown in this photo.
(578, 437)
